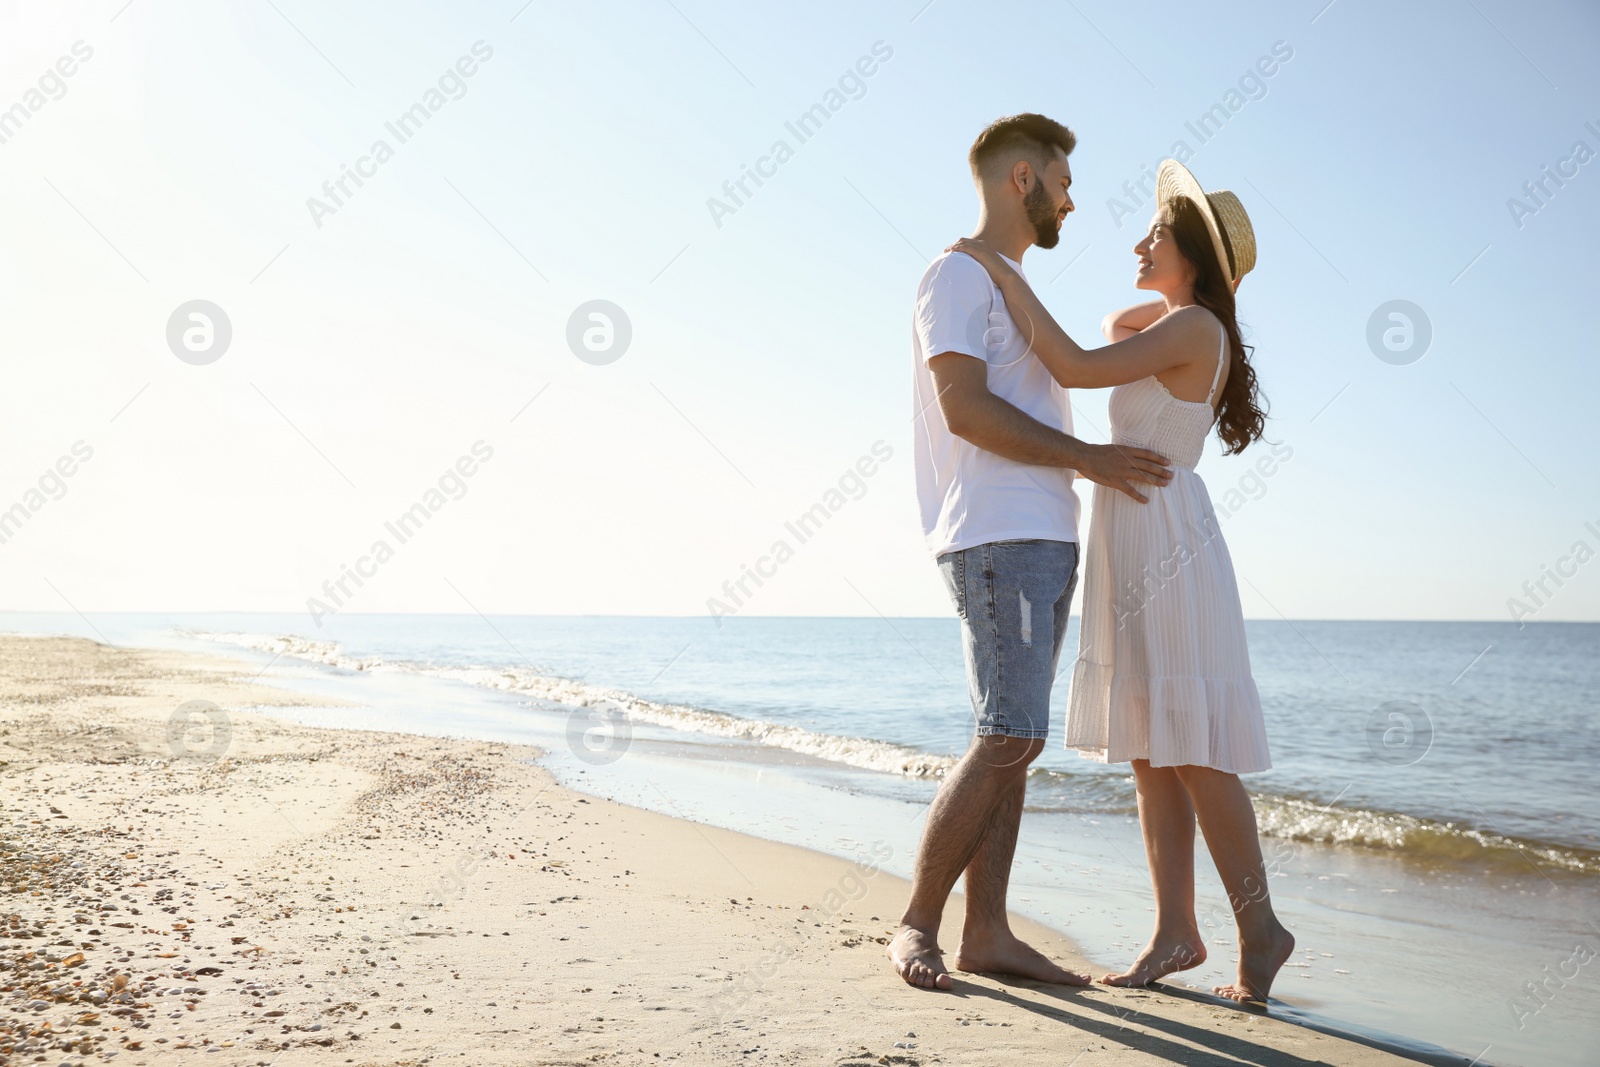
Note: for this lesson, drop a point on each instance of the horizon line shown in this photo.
(742, 615)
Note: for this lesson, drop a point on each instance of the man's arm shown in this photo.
(976, 415)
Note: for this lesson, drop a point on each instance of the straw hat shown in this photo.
(1221, 210)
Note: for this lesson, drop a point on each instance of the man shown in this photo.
(995, 461)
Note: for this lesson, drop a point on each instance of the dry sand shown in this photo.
(252, 891)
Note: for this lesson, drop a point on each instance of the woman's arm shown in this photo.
(976, 415)
(1121, 325)
(1171, 342)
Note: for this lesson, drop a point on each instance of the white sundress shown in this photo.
(1163, 671)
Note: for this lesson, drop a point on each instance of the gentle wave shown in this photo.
(1304, 820)
(326, 653)
(1278, 816)
(862, 753)
(1298, 819)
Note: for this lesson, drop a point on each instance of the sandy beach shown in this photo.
(222, 884)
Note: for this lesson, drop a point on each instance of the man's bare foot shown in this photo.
(1005, 953)
(918, 959)
(1164, 954)
(1258, 966)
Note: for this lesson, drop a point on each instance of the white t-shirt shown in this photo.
(971, 496)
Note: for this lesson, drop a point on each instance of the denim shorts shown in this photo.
(1013, 598)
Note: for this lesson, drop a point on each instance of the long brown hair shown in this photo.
(1241, 417)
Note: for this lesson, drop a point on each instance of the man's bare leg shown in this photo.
(958, 821)
(1228, 820)
(1167, 818)
(987, 943)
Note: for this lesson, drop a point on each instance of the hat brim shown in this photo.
(1173, 180)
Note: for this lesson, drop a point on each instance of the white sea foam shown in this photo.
(326, 653)
(1303, 820)
(862, 753)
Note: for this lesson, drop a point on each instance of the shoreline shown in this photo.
(1381, 830)
(722, 945)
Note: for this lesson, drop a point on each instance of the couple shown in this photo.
(1162, 675)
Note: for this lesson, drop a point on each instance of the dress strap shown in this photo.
(1222, 353)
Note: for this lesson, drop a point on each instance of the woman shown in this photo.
(1163, 672)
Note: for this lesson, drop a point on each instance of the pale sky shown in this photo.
(374, 345)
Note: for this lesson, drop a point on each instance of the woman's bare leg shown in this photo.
(1167, 819)
(1228, 821)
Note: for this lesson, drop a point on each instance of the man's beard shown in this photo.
(1042, 213)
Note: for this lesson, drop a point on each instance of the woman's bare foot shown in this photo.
(1164, 954)
(918, 959)
(1258, 966)
(1005, 953)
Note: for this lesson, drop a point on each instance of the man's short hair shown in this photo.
(1026, 136)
